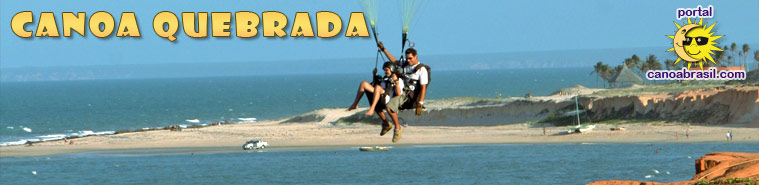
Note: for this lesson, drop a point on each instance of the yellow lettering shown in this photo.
(73, 22)
(219, 23)
(169, 19)
(104, 18)
(46, 26)
(18, 21)
(246, 23)
(188, 20)
(274, 24)
(357, 26)
(302, 25)
(323, 22)
(128, 25)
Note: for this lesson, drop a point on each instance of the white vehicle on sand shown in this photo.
(255, 144)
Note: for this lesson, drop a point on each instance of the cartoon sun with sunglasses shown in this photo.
(694, 44)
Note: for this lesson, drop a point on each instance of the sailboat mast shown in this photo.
(577, 109)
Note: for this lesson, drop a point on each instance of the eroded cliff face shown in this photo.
(708, 106)
(473, 113)
(717, 105)
(725, 165)
(712, 166)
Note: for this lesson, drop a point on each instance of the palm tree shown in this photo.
(637, 61)
(629, 62)
(746, 49)
(643, 67)
(719, 57)
(725, 49)
(635, 58)
(733, 47)
(669, 64)
(597, 69)
(756, 57)
(617, 69)
(603, 71)
(652, 63)
(606, 74)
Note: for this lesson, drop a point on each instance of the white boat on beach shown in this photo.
(580, 128)
(372, 149)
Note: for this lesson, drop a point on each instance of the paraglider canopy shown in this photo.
(408, 9)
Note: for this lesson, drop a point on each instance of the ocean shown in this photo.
(46, 110)
(53, 109)
(464, 164)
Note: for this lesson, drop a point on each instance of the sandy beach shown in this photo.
(649, 116)
(324, 135)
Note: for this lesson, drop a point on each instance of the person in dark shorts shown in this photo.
(378, 97)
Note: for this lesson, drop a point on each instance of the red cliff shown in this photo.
(713, 166)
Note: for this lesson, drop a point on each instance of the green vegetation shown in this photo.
(532, 122)
(746, 181)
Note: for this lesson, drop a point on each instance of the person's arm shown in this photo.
(397, 85)
(387, 53)
(423, 93)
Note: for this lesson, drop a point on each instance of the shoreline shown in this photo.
(315, 136)
(223, 149)
(653, 114)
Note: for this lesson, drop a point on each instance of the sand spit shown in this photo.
(649, 117)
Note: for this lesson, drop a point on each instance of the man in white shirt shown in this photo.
(418, 78)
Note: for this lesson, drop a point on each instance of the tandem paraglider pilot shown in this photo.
(406, 77)
(413, 78)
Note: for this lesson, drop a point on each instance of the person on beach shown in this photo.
(687, 133)
(379, 98)
(416, 76)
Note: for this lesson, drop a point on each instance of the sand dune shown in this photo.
(457, 121)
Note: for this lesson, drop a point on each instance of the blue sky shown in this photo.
(442, 27)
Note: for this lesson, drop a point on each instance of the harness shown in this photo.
(389, 86)
(413, 87)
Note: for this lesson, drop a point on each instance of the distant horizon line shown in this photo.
(322, 59)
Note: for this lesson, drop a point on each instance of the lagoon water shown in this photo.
(55, 108)
(32, 109)
(466, 164)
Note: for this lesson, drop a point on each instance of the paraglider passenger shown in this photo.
(378, 96)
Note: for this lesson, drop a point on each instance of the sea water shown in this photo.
(464, 164)
(51, 109)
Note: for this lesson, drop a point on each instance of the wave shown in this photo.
(54, 137)
(85, 133)
(247, 119)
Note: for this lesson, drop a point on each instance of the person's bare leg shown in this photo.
(377, 93)
(382, 117)
(398, 129)
(362, 87)
(393, 116)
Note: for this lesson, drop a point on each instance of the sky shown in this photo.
(442, 27)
